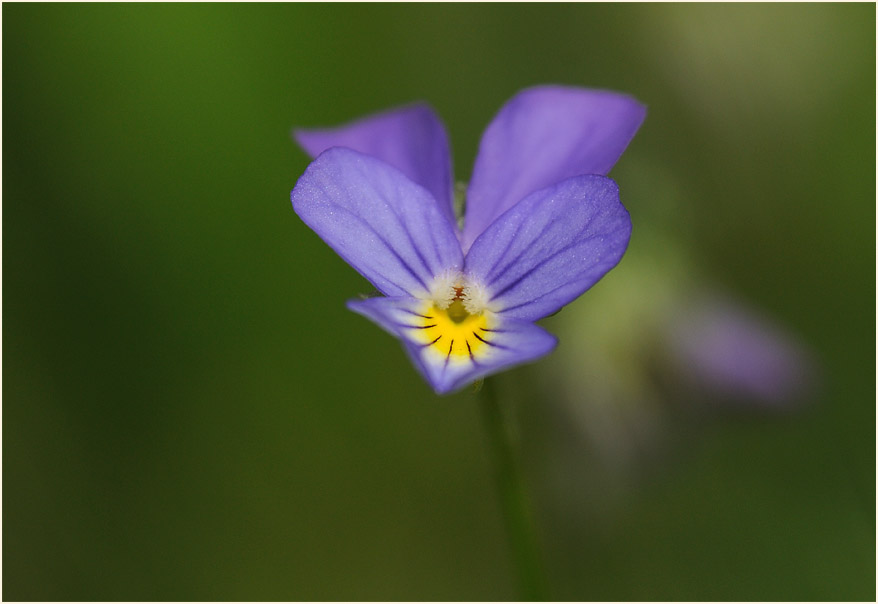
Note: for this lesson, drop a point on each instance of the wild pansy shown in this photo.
(542, 222)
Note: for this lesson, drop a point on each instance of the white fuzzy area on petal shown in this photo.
(442, 290)
(475, 297)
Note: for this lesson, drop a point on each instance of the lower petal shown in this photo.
(450, 354)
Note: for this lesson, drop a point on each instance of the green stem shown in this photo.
(513, 499)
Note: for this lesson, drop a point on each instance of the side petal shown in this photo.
(380, 222)
(551, 247)
(542, 136)
(497, 343)
(412, 139)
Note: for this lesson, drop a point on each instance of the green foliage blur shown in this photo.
(190, 412)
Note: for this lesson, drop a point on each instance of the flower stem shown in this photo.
(513, 499)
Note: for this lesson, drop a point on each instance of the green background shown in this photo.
(189, 411)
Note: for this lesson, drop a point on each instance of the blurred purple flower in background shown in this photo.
(636, 370)
(542, 223)
(731, 352)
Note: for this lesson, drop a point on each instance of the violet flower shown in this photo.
(723, 347)
(542, 225)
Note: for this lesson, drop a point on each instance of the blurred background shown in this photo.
(190, 412)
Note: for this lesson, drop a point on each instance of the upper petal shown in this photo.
(550, 247)
(542, 136)
(412, 139)
(450, 357)
(384, 225)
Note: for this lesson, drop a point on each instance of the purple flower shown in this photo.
(725, 348)
(542, 224)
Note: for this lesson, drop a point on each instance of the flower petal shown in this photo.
(551, 247)
(412, 139)
(542, 136)
(449, 364)
(379, 221)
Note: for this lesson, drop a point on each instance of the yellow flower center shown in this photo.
(453, 332)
